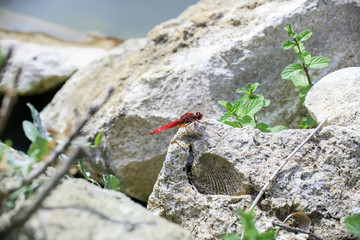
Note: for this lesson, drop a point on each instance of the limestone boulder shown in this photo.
(77, 209)
(207, 52)
(209, 175)
(43, 67)
(336, 97)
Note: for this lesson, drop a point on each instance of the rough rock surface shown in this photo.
(43, 67)
(208, 52)
(77, 209)
(322, 180)
(336, 97)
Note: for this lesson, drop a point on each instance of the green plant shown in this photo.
(245, 108)
(111, 182)
(352, 224)
(250, 232)
(295, 72)
(42, 144)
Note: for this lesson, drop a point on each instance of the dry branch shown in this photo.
(276, 173)
(19, 218)
(295, 230)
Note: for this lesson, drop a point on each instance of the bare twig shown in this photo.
(6, 59)
(10, 94)
(296, 230)
(20, 217)
(25, 212)
(273, 177)
(60, 148)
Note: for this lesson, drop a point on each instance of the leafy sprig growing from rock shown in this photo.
(295, 72)
(244, 110)
(250, 230)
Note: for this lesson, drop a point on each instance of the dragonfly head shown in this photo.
(198, 115)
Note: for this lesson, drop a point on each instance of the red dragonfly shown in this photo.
(182, 121)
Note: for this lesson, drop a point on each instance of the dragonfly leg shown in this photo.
(194, 131)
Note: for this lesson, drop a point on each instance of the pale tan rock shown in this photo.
(77, 209)
(336, 97)
(321, 180)
(43, 67)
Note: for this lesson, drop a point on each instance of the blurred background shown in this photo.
(71, 20)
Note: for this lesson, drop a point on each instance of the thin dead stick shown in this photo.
(273, 177)
(10, 94)
(8, 102)
(293, 229)
(20, 217)
(60, 148)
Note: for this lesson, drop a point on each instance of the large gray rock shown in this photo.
(206, 53)
(336, 97)
(43, 67)
(77, 209)
(322, 180)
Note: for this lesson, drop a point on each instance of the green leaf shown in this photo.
(301, 46)
(257, 96)
(252, 88)
(234, 124)
(222, 103)
(238, 104)
(267, 129)
(263, 127)
(250, 230)
(27, 191)
(226, 116)
(36, 116)
(229, 107)
(38, 149)
(30, 130)
(81, 166)
(288, 28)
(267, 235)
(307, 122)
(252, 107)
(277, 129)
(288, 45)
(243, 90)
(303, 36)
(300, 80)
(303, 92)
(290, 31)
(304, 57)
(97, 140)
(352, 224)
(266, 103)
(291, 70)
(319, 62)
(230, 237)
(111, 182)
(246, 120)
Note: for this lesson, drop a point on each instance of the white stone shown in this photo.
(43, 67)
(77, 209)
(336, 97)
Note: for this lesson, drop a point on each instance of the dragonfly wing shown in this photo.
(167, 126)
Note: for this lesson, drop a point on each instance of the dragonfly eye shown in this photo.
(199, 115)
